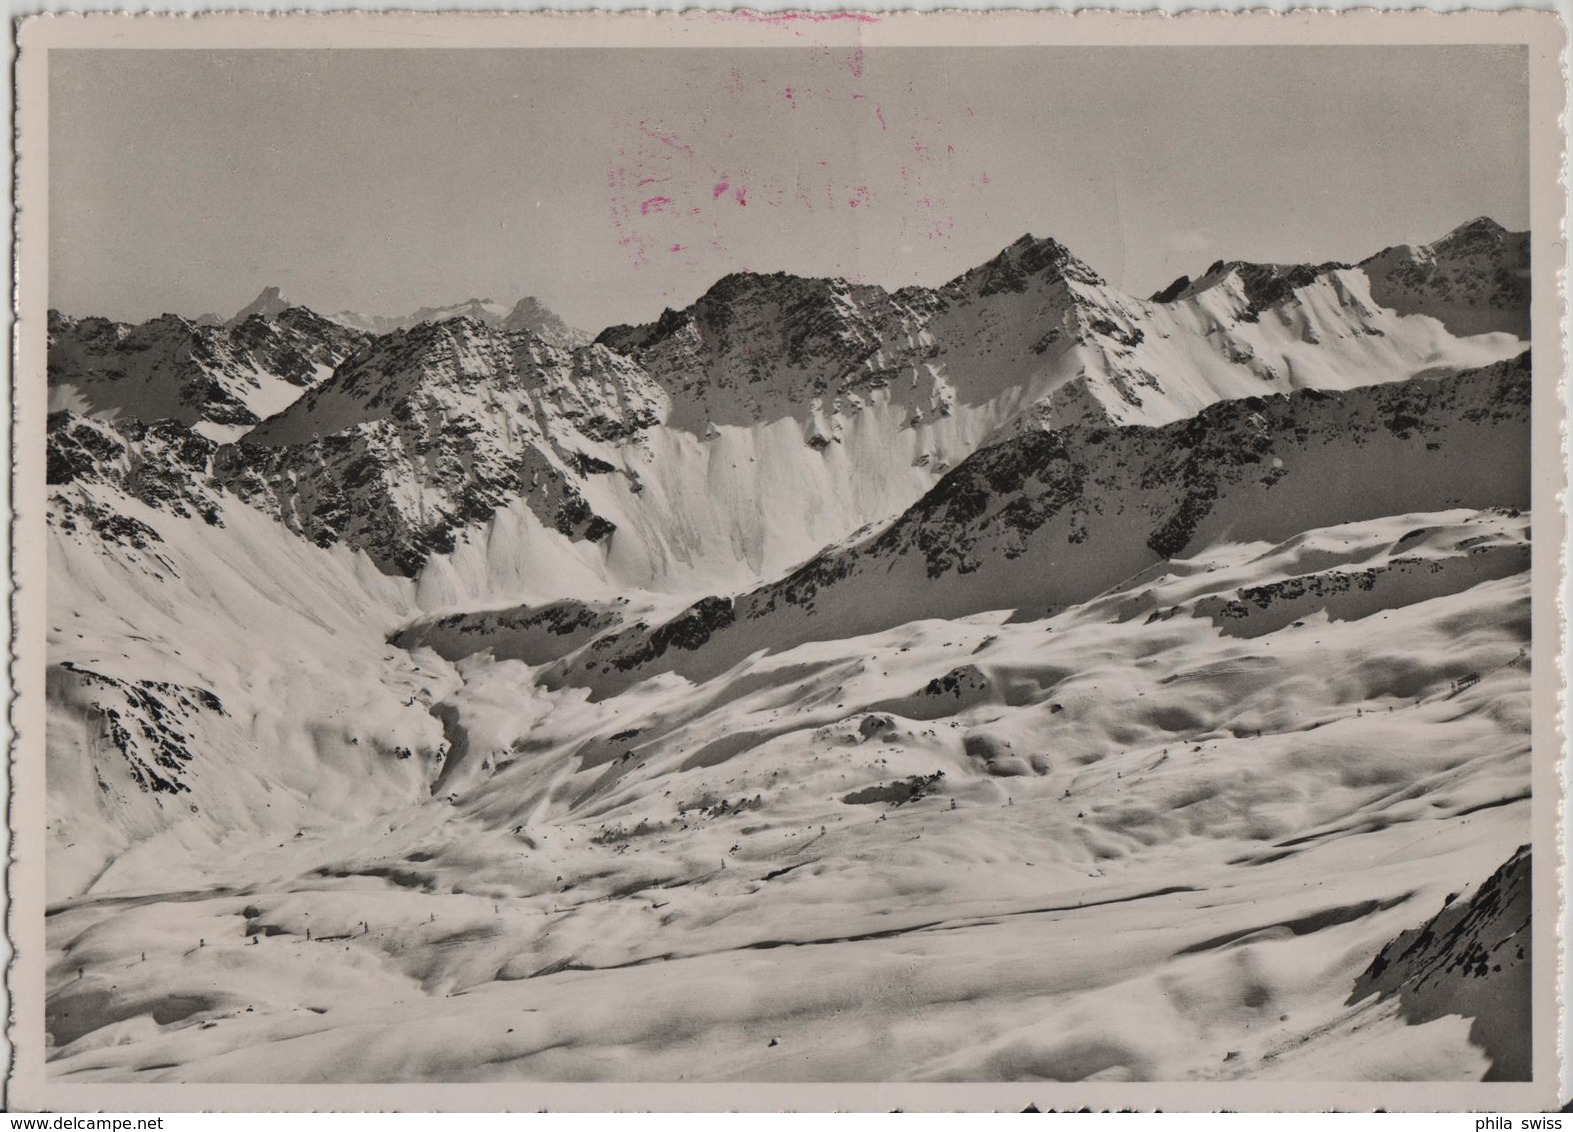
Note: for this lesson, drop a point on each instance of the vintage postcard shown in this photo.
(751, 561)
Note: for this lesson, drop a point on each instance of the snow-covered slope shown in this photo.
(1142, 850)
(212, 676)
(1052, 518)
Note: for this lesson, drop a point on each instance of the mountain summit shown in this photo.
(535, 317)
(269, 304)
(1029, 258)
(1473, 280)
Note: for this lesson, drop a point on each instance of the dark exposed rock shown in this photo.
(146, 721)
(755, 343)
(1472, 958)
(192, 373)
(1173, 290)
(1017, 265)
(898, 793)
(418, 440)
(164, 465)
(1474, 280)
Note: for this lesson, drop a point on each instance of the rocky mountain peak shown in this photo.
(269, 304)
(1474, 280)
(431, 431)
(760, 347)
(1027, 261)
(744, 288)
(1481, 235)
(531, 315)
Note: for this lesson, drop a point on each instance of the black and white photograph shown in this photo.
(795, 555)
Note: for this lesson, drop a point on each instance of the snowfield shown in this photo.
(969, 849)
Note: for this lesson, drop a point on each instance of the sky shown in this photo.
(612, 183)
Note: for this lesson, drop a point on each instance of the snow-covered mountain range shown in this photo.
(721, 438)
(1010, 617)
(529, 313)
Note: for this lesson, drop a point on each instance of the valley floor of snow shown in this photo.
(1155, 836)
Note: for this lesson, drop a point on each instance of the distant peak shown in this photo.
(268, 304)
(532, 315)
(530, 312)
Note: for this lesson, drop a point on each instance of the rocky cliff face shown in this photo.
(164, 467)
(434, 429)
(758, 347)
(1264, 285)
